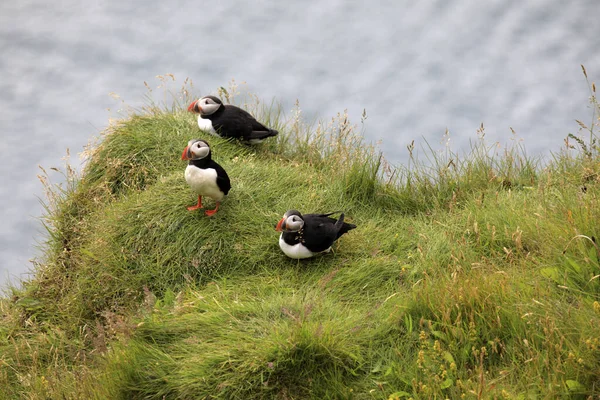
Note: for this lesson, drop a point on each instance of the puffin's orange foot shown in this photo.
(197, 206)
(210, 213)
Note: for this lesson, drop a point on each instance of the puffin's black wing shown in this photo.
(240, 124)
(222, 178)
(232, 123)
(319, 232)
(323, 215)
(257, 126)
(259, 131)
(260, 135)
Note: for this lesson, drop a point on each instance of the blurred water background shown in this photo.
(418, 68)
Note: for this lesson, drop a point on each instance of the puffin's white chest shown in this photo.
(203, 182)
(297, 251)
(206, 125)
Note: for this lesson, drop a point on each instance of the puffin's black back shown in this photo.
(222, 178)
(233, 122)
(319, 231)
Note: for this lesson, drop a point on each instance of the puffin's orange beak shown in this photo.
(184, 155)
(280, 225)
(192, 106)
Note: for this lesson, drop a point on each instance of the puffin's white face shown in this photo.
(208, 106)
(294, 223)
(291, 222)
(196, 150)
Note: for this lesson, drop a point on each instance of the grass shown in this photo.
(470, 275)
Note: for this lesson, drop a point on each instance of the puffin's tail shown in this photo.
(342, 227)
(258, 136)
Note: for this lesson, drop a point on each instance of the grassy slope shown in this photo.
(467, 278)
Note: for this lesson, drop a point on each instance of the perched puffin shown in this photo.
(206, 177)
(304, 236)
(229, 121)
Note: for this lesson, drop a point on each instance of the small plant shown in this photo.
(579, 273)
(589, 148)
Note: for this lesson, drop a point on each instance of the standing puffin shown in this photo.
(304, 236)
(229, 121)
(206, 177)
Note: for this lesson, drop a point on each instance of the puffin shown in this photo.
(304, 236)
(229, 121)
(206, 177)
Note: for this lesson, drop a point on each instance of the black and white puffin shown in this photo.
(229, 121)
(303, 236)
(206, 177)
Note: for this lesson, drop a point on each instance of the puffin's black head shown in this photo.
(196, 149)
(292, 221)
(205, 106)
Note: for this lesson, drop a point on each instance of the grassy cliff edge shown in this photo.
(469, 276)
